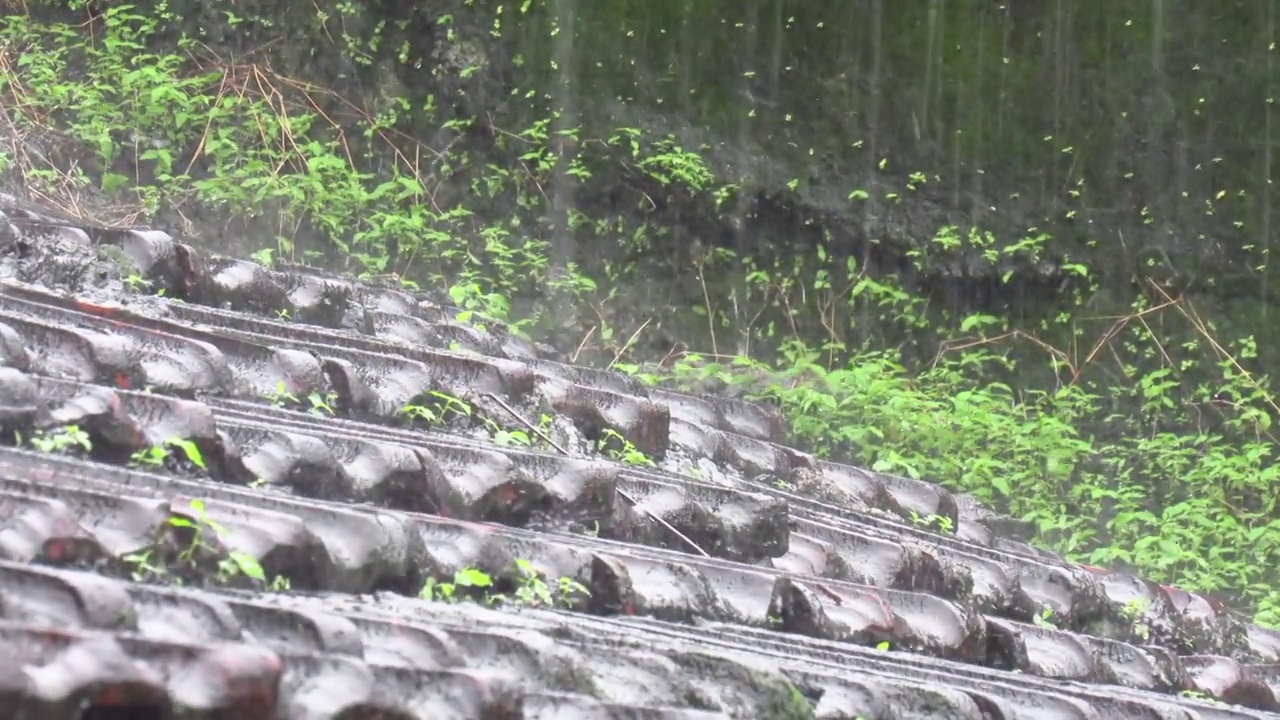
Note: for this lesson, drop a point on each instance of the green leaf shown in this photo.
(248, 565)
(1000, 483)
(471, 577)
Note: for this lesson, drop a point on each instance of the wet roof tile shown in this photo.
(757, 579)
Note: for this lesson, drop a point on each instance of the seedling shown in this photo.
(420, 413)
(322, 405)
(467, 577)
(1134, 611)
(616, 447)
(440, 410)
(153, 456)
(281, 396)
(939, 523)
(145, 564)
(1044, 618)
(518, 437)
(62, 440)
(531, 590)
(156, 455)
(451, 406)
(1203, 697)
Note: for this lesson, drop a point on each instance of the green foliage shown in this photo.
(616, 447)
(532, 436)
(157, 564)
(157, 455)
(438, 409)
(1044, 619)
(1169, 473)
(528, 590)
(168, 134)
(62, 440)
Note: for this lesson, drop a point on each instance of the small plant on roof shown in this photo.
(467, 577)
(321, 404)
(62, 440)
(616, 447)
(451, 407)
(534, 591)
(438, 409)
(147, 565)
(938, 523)
(155, 455)
(519, 437)
(280, 396)
(420, 413)
(1134, 613)
(1045, 619)
(531, 589)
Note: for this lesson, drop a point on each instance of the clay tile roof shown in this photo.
(769, 584)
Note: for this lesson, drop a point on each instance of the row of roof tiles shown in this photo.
(353, 505)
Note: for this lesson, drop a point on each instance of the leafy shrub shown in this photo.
(1168, 475)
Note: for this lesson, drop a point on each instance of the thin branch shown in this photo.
(627, 345)
(534, 428)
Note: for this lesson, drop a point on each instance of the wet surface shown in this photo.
(733, 578)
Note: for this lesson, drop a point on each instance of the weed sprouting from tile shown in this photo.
(420, 414)
(161, 562)
(936, 523)
(530, 589)
(321, 404)
(1202, 697)
(152, 456)
(451, 407)
(614, 446)
(136, 283)
(280, 396)
(795, 706)
(62, 440)
(439, 410)
(155, 456)
(519, 437)
(1134, 612)
(1045, 619)
(316, 403)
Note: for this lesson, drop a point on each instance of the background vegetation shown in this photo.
(1019, 250)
